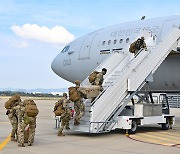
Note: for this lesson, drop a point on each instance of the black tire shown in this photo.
(166, 126)
(133, 127)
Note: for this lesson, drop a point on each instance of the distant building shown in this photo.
(57, 93)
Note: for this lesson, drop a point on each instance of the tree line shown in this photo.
(10, 93)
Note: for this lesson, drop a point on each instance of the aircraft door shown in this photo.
(168, 25)
(86, 46)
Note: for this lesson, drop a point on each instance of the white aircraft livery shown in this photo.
(83, 55)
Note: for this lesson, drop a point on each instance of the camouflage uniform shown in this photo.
(13, 119)
(11, 112)
(66, 116)
(139, 44)
(78, 106)
(23, 121)
(99, 79)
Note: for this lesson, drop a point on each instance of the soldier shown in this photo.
(78, 105)
(11, 112)
(66, 115)
(20, 116)
(137, 45)
(99, 79)
(24, 120)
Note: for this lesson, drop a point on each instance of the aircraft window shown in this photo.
(115, 41)
(66, 48)
(103, 43)
(127, 40)
(121, 41)
(109, 42)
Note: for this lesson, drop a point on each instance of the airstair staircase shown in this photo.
(126, 75)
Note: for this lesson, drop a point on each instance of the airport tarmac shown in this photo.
(115, 142)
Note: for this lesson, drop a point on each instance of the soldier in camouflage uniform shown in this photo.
(99, 79)
(78, 106)
(13, 117)
(66, 116)
(23, 121)
(137, 45)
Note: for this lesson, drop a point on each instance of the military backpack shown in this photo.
(132, 47)
(58, 109)
(31, 108)
(92, 76)
(74, 94)
(11, 102)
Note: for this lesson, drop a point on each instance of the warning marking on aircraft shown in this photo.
(166, 138)
(5, 142)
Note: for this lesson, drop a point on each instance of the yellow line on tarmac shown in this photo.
(5, 142)
(4, 122)
(157, 138)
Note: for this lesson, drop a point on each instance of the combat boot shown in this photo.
(67, 127)
(13, 139)
(60, 134)
(21, 145)
(76, 122)
(29, 144)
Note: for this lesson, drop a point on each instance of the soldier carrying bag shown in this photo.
(31, 108)
(58, 109)
(132, 47)
(92, 76)
(11, 102)
(74, 94)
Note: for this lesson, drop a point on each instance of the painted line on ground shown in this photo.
(5, 142)
(4, 122)
(170, 145)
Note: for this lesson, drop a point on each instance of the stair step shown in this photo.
(115, 75)
(85, 118)
(78, 128)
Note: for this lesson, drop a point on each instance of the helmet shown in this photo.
(77, 82)
(64, 95)
(142, 38)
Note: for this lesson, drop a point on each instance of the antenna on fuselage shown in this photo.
(143, 17)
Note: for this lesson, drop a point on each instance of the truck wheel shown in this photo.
(133, 127)
(166, 126)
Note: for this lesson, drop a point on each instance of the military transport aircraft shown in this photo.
(81, 56)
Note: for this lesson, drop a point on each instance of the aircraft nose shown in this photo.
(55, 65)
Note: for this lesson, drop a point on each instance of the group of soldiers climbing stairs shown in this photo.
(126, 75)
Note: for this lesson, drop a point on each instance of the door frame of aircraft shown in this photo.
(86, 47)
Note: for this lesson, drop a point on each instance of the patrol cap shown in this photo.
(104, 69)
(77, 82)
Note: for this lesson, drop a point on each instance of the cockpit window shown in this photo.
(66, 48)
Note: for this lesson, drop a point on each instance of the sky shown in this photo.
(33, 32)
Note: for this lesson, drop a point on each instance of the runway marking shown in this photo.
(160, 138)
(4, 122)
(5, 142)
